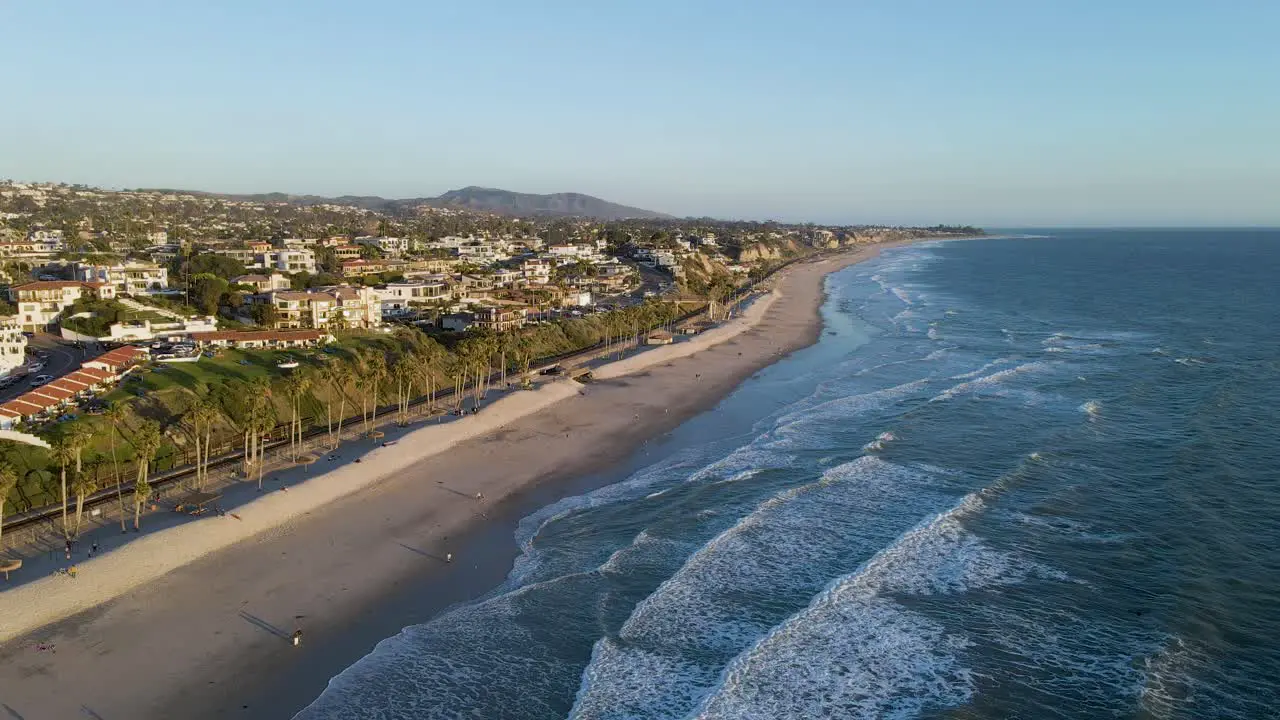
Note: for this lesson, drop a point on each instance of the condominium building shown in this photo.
(328, 307)
(398, 298)
(264, 283)
(128, 279)
(13, 345)
(40, 304)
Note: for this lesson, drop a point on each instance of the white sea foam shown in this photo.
(902, 295)
(975, 373)
(854, 652)
(988, 381)
(710, 609)
(881, 440)
(1092, 408)
(1171, 678)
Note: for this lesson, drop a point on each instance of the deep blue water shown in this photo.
(1026, 477)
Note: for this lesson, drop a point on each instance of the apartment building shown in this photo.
(263, 283)
(261, 256)
(398, 298)
(328, 307)
(347, 252)
(500, 318)
(536, 271)
(128, 279)
(13, 345)
(40, 303)
(290, 260)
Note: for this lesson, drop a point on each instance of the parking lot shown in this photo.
(55, 356)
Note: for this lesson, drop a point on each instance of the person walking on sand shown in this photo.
(68, 549)
(448, 557)
(297, 637)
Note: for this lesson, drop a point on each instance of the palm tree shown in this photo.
(337, 374)
(259, 421)
(8, 481)
(83, 486)
(77, 439)
(429, 360)
(62, 453)
(294, 387)
(202, 417)
(404, 375)
(115, 418)
(375, 370)
(146, 443)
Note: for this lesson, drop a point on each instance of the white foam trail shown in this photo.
(1170, 678)
(674, 645)
(988, 380)
(854, 652)
(901, 295)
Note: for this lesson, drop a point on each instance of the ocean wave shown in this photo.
(881, 440)
(677, 640)
(988, 381)
(854, 652)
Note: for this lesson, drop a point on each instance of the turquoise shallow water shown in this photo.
(1017, 477)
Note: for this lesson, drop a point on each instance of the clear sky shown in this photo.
(994, 112)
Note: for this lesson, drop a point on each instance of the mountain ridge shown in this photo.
(472, 197)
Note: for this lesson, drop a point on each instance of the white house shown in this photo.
(397, 298)
(41, 303)
(390, 246)
(264, 283)
(128, 279)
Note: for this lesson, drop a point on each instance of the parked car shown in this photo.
(35, 367)
(40, 380)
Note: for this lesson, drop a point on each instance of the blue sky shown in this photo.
(994, 112)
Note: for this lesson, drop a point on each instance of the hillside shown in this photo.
(506, 202)
(476, 199)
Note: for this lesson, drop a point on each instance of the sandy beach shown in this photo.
(197, 616)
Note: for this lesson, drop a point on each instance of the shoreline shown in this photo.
(202, 610)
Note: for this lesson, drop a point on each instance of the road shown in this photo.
(63, 358)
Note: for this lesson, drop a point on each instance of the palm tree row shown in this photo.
(367, 377)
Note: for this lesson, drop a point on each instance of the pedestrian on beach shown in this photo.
(93, 549)
(68, 548)
(297, 637)
(448, 557)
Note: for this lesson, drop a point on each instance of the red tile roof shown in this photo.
(93, 374)
(57, 394)
(119, 357)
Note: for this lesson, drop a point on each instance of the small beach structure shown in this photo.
(8, 566)
(659, 337)
(693, 327)
(196, 503)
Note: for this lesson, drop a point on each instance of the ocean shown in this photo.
(1034, 476)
